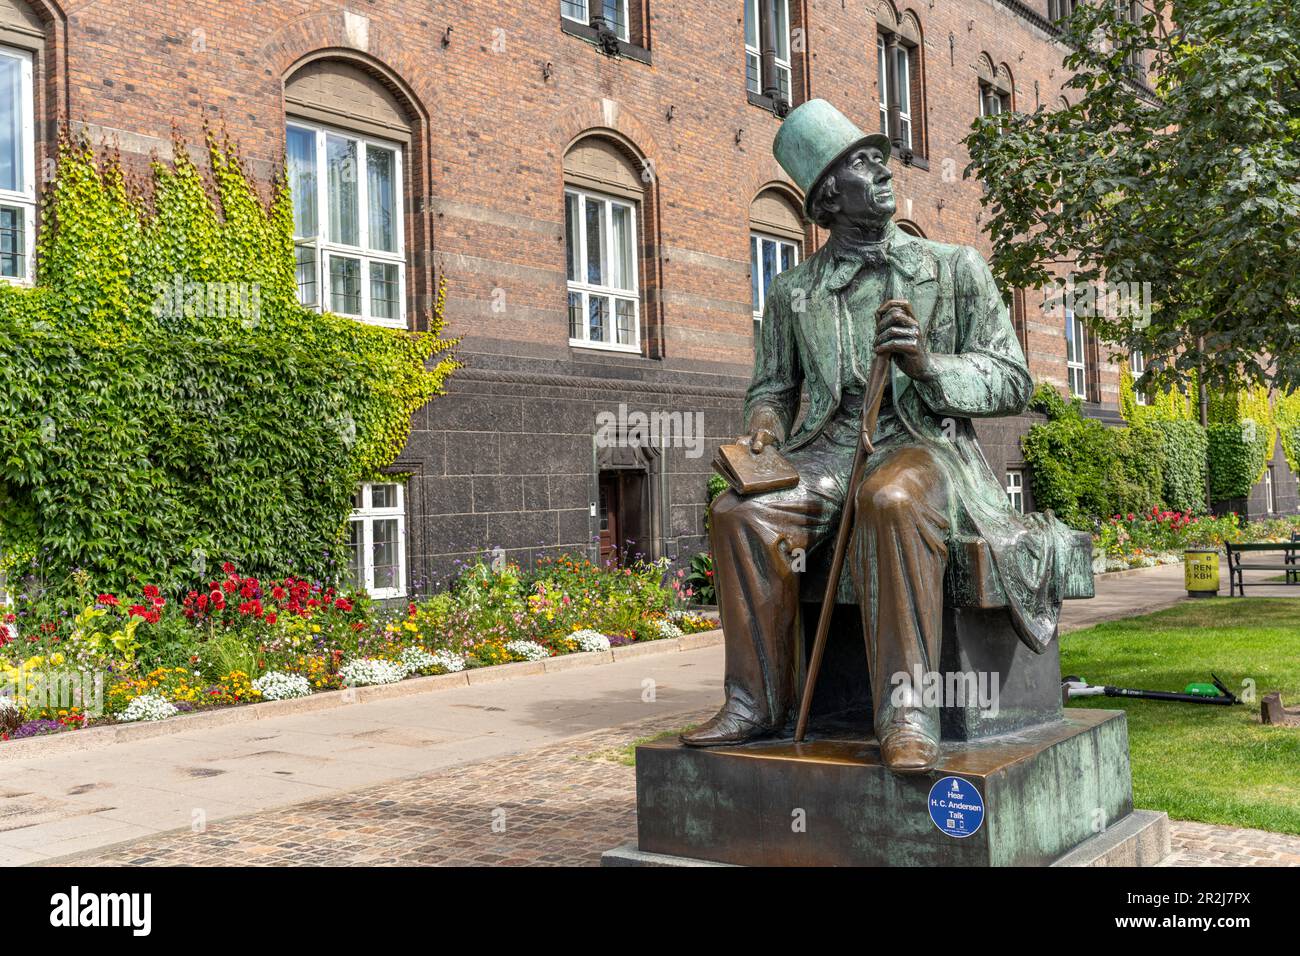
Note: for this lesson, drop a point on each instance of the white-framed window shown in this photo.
(993, 102)
(17, 168)
(601, 248)
(1016, 489)
(347, 223)
(1075, 366)
(614, 11)
(756, 12)
(769, 256)
(903, 95)
(1137, 363)
(377, 540)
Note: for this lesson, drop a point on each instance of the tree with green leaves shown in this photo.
(1176, 163)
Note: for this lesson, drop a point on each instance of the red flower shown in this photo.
(151, 590)
(108, 600)
(343, 604)
(270, 618)
(139, 610)
(277, 592)
(152, 616)
(227, 567)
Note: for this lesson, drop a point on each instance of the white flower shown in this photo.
(668, 629)
(148, 707)
(370, 670)
(528, 650)
(7, 703)
(276, 685)
(417, 659)
(589, 640)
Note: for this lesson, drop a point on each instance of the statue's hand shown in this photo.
(764, 427)
(899, 334)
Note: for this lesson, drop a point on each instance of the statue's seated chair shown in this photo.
(978, 640)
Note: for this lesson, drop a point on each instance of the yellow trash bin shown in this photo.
(1201, 572)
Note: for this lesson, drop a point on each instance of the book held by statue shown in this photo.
(750, 474)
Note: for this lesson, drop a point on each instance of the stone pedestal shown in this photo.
(981, 646)
(1045, 791)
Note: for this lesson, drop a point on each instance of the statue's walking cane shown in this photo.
(876, 381)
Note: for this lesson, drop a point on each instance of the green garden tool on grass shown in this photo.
(1195, 693)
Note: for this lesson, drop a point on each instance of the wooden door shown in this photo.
(609, 510)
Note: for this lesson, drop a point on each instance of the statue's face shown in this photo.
(866, 191)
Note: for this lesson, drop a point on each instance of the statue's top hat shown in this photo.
(813, 138)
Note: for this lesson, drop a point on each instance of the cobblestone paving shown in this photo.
(560, 805)
(1203, 844)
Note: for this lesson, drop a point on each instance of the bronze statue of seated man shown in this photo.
(871, 294)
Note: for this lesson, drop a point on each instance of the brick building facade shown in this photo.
(570, 183)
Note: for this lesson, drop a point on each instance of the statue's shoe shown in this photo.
(725, 728)
(907, 750)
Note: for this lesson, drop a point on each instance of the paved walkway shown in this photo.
(560, 805)
(65, 803)
(404, 750)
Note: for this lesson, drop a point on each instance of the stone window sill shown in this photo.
(585, 32)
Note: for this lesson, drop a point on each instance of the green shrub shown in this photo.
(1242, 437)
(149, 424)
(1232, 460)
(1082, 470)
(1184, 446)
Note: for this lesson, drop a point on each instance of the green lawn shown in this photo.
(1201, 762)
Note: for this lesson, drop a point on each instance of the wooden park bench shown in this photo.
(1239, 560)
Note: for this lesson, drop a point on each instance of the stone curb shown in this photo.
(94, 738)
(1132, 572)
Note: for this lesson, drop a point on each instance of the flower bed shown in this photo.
(1160, 537)
(238, 639)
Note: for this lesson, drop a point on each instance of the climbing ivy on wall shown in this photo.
(1242, 435)
(1184, 443)
(166, 403)
(1286, 414)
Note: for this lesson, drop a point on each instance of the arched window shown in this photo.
(347, 135)
(604, 198)
(900, 80)
(996, 87)
(775, 241)
(22, 38)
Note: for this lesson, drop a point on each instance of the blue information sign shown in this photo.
(956, 807)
